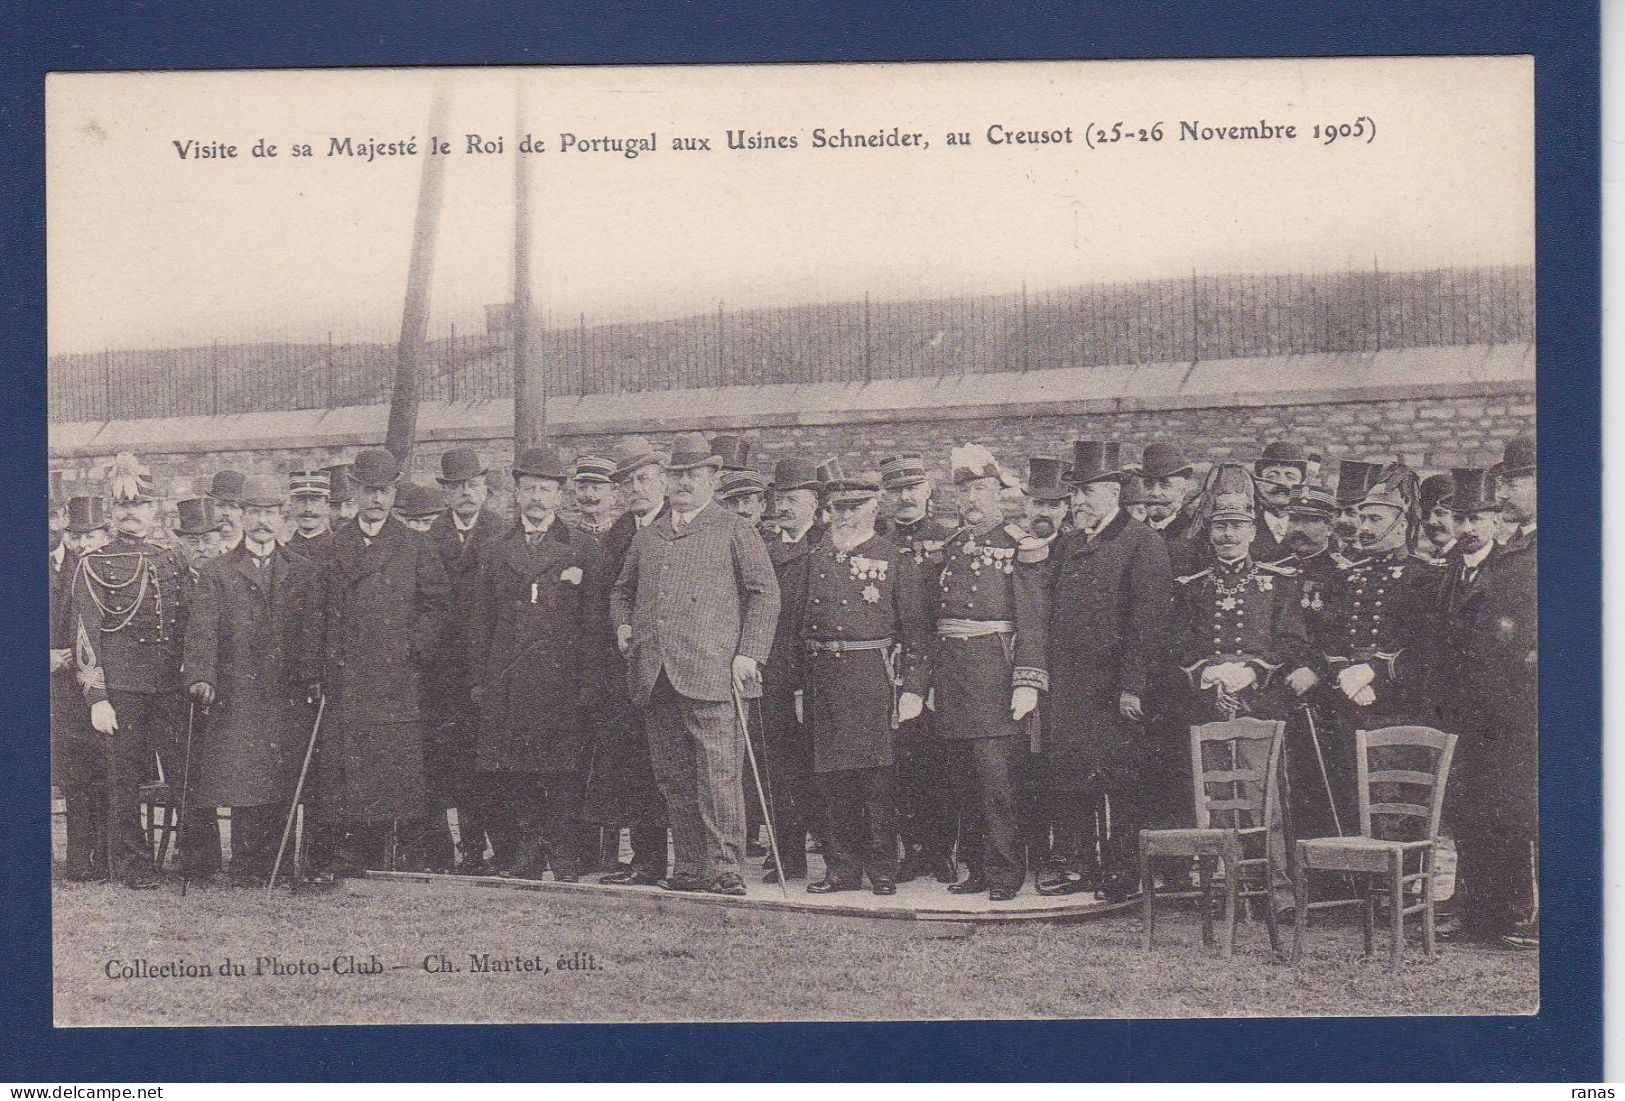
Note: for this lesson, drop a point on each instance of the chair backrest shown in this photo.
(1403, 771)
(1235, 769)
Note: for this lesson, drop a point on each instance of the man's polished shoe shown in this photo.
(566, 877)
(883, 886)
(975, 885)
(685, 883)
(773, 876)
(1066, 883)
(729, 884)
(630, 877)
(1001, 894)
(827, 886)
(946, 871)
(1115, 888)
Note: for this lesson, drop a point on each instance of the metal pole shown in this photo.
(298, 793)
(1320, 759)
(186, 783)
(761, 793)
(529, 383)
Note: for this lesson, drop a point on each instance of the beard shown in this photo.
(1042, 526)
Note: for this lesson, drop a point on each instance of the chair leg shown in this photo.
(1368, 911)
(1430, 943)
(1148, 896)
(1300, 911)
(1271, 918)
(1231, 917)
(1396, 901)
(1204, 877)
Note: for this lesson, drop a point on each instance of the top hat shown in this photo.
(1354, 477)
(1162, 460)
(593, 468)
(375, 468)
(739, 483)
(795, 473)
(1311, 501)
(87, 513)
(903, 470)
(1436, 490)
(843, 491)
(1232, 506)
(541, 462)
(460, 464)
(1133, 488)
(1096, 461)
(261, 491)
(734, 451)
(226, 486)
(417, 501)
(632, 454)
(1472, 490)
(310, 483)
(1281, 453)
(1047, 478)
(338, 483)
(972, 462)
(689, 451)
(829, 472)
(195, 516)
(1518, 458)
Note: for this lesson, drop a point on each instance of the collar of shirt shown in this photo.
(258, 550)
(787, 536)
(370, 531)
(1476, 559)
(1104, 521)
(537, 529)
(1527, 530)
(644, 519)
(462, 528)
(1160, 525)
(682, 519)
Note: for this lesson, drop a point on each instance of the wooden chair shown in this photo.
(1235, 769)
(1393, 829)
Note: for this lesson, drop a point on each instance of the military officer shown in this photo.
(862, 626)
(989, 667)
(745, 492)
(1438, 519)
(129, 606)
(593, 488)
(253, 659)
(1167, 478)
(309, 494)
(927, 813)
(225, 489)
(78, 765)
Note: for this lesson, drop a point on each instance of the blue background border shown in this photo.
(1563, 1043)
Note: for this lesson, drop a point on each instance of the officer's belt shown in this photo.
(974, 628)
(842, 645)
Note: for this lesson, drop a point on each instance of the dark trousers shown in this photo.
(150, 725)
(862, 807)
(788, 777)
(530, 810)
(452, 722)
(988, 772)
(199, 854)
(255, 834)
(1126, 795)
(699, 760)
(347, 846)
(85, 812)
(927, 818)
(1078, 819)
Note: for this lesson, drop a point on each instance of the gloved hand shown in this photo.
(1301, 680)
(747, 676)
(623, 637)
(1353, 678)
(203, 692)
(1128, 705)
(1365, 697)
(800, 706)
(1022, 702)
(61, 659)
(102, 717)
(909, 706)
(313, 692)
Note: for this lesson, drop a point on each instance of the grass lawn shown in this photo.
(704, 964)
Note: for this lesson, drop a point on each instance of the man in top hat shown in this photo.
(385, 594)
(417, 506)
(1170, 504)
(534, 637)
(341, 496)
(928, 817)
(309, 496)
(253, 661)
(1110, 597)
(1280, 468)
(197, 532)
(863, 654)
(621, 788)
(990, 666)
(226, 489)
(197, 535)
(592, 486)
(451, 719)
(78, 766)
(694, 609)
(1049, 498)
(1354, 478)
(1438, 519)
(130, 604)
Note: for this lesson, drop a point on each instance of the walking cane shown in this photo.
(1325, 777)
(186, 783)
(298, 793)
(761, 793)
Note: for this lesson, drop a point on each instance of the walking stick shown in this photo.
(1320, 759)
(298, 793)
(186, 783)
(761, 793)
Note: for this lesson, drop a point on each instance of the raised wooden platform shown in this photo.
(921, 900)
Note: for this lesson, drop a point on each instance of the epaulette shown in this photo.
(1194, 577)
(1278, 567)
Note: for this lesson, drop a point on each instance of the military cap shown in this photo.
(1163, 460)
(1311, 501)
(740, 483)
(734, 451)
(195, 516)
(1047, 478)
(1096, 461)
(689, 451)
(853, 490)
(129, 481)
(1232, 506)
(541, 462)
(375, 468)
(87, 513)
(1396, 486)
(972, 462)
(633, 454)
(795, 473)
(310, 483)
(1472, 490)
(417, 501)
(460, 464)
(262, 491)
(901, 471)
(1518, 458)
(593, 468)
(227, 486)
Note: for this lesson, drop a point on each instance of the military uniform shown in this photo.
(78, 765)
(787, 741)
(1244, 613)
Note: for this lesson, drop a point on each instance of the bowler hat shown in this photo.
(829, 472)
(1047, 478)
(739, 483)
(460, 464)
(1281, 453)
(1096, 461)
(734, 451)
(541, 462)
(1518, 458)
(593, 468)
(417, 501)
(795, 473)
(1436, 490)
(633, 454)
(900, 471)
(1162, 460)
(375, 468)
(1472, 490)
(338, 483)
(310, 483)
(1354, 477)
(690, 450)
(227, 486)
(195, 516)
(1311, 501)
(261, 491)
(87, 513)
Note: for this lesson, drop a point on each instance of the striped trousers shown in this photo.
(699, 763)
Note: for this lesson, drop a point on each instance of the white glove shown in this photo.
(1353, 678)
(800, 706)
(623, 637)
(60, 659)
(1022, 702)
(909, 706)
(102, 717)
(1302, 679)
(1365, 697)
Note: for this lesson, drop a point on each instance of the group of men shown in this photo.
(1006, 684)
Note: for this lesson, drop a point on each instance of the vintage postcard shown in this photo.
(804, 542)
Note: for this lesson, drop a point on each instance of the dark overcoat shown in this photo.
(447, 673)
(255, 635)
(1110, 609)
(383, 605)
(532, 643)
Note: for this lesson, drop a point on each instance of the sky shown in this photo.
(148, 249)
